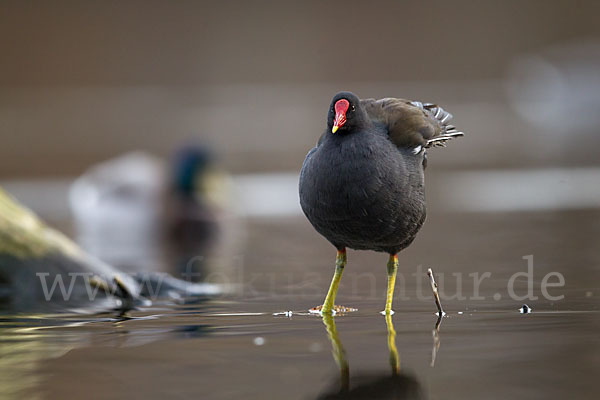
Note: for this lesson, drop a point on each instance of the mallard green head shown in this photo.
(191, 163)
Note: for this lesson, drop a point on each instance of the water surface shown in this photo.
(243, 345)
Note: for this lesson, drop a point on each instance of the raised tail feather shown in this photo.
(442, 117)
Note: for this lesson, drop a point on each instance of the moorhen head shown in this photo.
(346, 114)
(362, 186)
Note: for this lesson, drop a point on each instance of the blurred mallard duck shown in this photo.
(117, 206)
(196, 205)
(140, 214)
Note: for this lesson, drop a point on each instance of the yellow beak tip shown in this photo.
(334, 129)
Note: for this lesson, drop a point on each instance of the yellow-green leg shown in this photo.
(392, 270)
(340, 263)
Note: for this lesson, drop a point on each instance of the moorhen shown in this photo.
(362, 186)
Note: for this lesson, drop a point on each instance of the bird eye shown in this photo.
(353, 108)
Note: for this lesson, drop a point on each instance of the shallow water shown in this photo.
(241, 345)
(210, 351)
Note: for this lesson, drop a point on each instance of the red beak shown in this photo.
(341, 106)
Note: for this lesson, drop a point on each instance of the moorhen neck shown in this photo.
(362, 186)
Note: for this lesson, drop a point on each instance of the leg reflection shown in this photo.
(337, 349)
(398, 385)
(394, 357)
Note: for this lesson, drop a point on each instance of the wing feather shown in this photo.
(412, 123)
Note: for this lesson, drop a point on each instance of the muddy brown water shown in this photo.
(243, 345)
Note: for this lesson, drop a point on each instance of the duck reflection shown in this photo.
(397, 385)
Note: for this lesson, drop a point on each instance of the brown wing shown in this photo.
(412, 123)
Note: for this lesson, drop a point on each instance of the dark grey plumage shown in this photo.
(363, 186)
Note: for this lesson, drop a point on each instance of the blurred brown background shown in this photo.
(85, 81)
(81, 82)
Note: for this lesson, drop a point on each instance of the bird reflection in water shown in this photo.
(396, 385)
(338, 351)
(436, 340)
